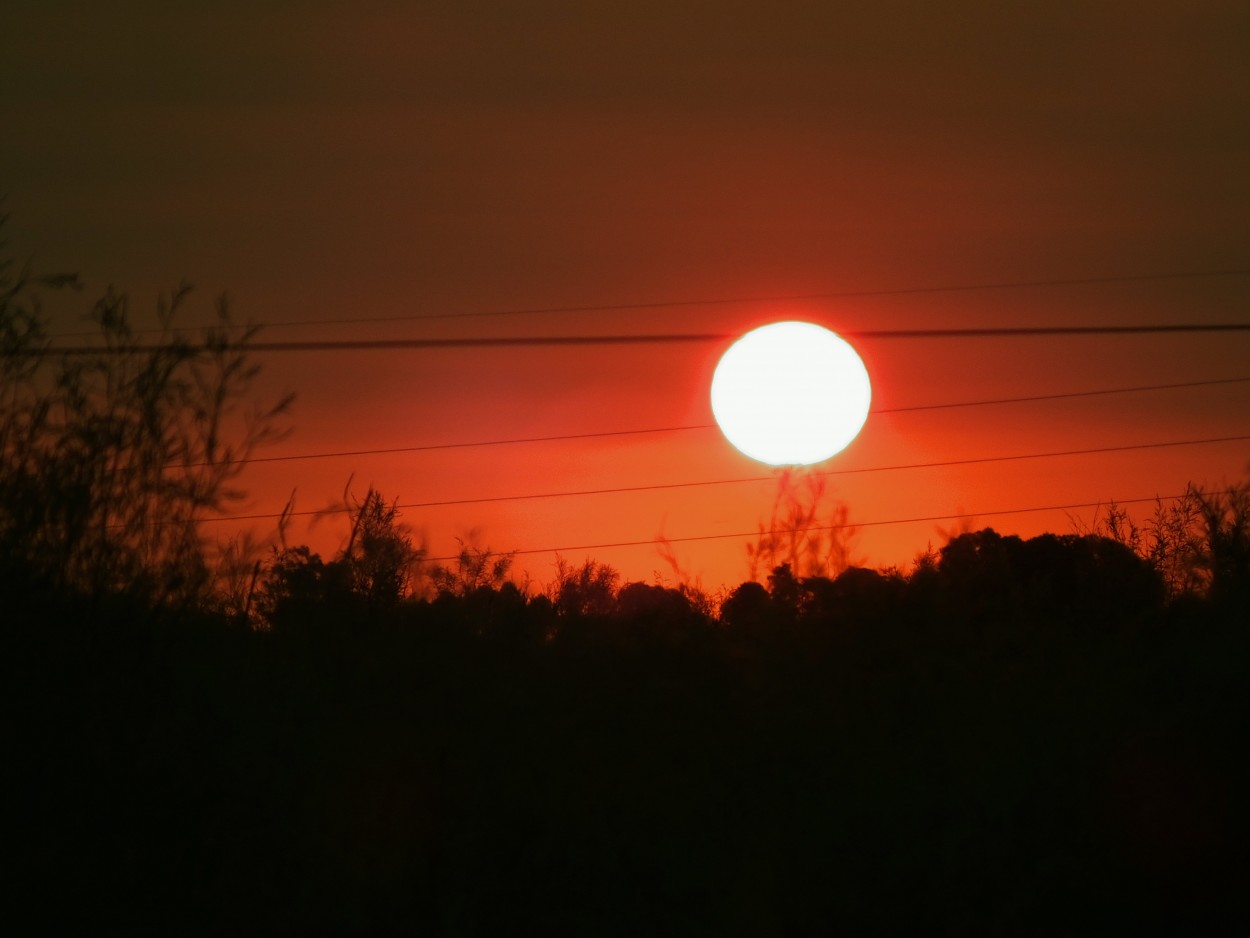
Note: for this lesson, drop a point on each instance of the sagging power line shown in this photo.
(728, 301)
(603, 434)
(659, 338)
(618, 490)
(835, 527)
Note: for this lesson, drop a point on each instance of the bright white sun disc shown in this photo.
(790, 393)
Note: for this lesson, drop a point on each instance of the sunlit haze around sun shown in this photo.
(791, 393)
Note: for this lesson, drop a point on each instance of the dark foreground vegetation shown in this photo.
(967, 751)
(1042, 737)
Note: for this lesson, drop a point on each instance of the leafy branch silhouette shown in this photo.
(109, 462)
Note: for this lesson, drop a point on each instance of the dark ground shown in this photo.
(486, 767)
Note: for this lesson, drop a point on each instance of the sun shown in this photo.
(790, 393)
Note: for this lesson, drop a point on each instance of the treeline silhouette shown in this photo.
(1042, 736)
(1018, 738)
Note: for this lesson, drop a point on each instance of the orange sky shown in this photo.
(322, 163)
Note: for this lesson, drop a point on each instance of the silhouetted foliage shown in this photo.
(1226, 533)
(476, 568)
(377, 567)
(110, 461)
(660, 604)
(798, 535)
(1175, 546)
(748, 607)
(294, 587)
(1017, 738)
(686, 583)
(857, 596)
(380, 559)
(1198, 543)
(1086, 579)
(585, 590)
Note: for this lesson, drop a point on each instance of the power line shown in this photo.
(726, 301)
(555, 341)
(829, 472)
(832, 527)
(439, 446)
(717, 482)
(1067, 395)
(427, 447)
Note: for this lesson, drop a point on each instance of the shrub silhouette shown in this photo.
(1225, 519)
(294, 588)
(656, 604)
(110, 460)
(796, 533)
(1199, 543)
(476, 568)
(376, 568)
(748, 607)
(487, 763)
(380, 559)
(585, 590)
(858, 595)
(984, 576)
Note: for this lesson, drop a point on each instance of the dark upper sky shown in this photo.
(350, 161)
(483, 154)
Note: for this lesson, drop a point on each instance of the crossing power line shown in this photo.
(836, 527)
(659, 338)
(617, 490)
(729, 301)
(602, 434)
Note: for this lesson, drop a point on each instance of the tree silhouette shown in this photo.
(660, 605)
(798, 533)
(585, 590)
(380, 559)
(293, 588)
(1199, 543)
(1225, 519)
(110, 461)
(786, 591)
(747, 608)
(1087, 579)
(857, 595)
(376, 568)
(476, 568)
(985, 578)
